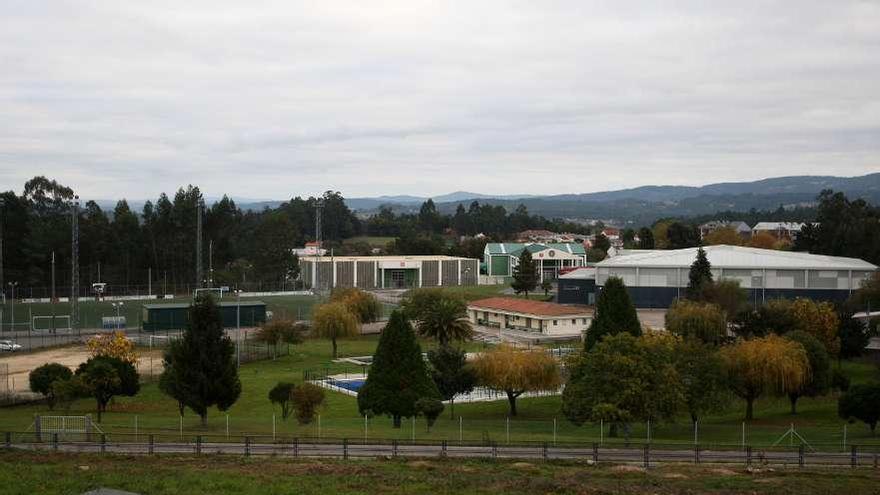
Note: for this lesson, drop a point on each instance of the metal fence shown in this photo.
(646, 454)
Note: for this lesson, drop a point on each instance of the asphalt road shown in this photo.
(615, 455)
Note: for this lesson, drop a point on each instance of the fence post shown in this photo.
(595, 453)
(647, 455)
(801, 456)
(247, 446)
(103, 443)
(394, 448)
(55, 442)
(696, 453)
(494, 449)
(296, 446)
(199, 445)
(345, 448)
(443, 449)
(150, 448)
(749, 456)
(544, 451)
(854, 456)
(8, 439)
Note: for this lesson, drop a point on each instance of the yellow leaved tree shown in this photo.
(114, 344)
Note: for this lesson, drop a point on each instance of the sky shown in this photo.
(269, 100)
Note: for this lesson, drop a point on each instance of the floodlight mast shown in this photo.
(74, 262)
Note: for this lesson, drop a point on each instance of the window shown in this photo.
(574, 321)
(584, 321)
(555, 322)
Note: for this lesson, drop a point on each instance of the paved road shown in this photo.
(615, 455)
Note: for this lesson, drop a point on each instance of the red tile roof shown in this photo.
(527, 306)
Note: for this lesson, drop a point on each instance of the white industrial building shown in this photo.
(388, 272)
(655, 278)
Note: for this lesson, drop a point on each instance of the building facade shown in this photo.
(546, 318)
(577, 286)
(500, 259)
(655, 278)
(388, 272)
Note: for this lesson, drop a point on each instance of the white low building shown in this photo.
(525, 315)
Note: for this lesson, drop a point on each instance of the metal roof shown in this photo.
(724, 256)
(580, 273)
(529, 307)
(515, 248)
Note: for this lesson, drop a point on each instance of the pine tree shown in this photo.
(200, 369)
(615, 313)
(525, 274)
(398, 377)
(699, 276)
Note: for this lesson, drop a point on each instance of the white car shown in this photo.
(9, 346)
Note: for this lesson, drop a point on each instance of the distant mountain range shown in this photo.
(640, 205)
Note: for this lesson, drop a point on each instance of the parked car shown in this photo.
(9, 346)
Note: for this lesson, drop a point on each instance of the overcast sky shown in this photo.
(275, 99)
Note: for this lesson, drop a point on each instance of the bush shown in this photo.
(307, 398)
(42, 378)
(67, 391)
(861, 402)
(696, 320)
(839, 380)
(430, 408)
(281, 394)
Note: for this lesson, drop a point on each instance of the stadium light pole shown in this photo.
(117, 305)
(12, 307)
(238, 326)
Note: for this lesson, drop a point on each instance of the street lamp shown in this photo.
(12, 307)
(118, 306)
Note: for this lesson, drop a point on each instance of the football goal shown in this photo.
(62, 322)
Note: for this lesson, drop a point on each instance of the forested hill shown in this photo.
(644, 205)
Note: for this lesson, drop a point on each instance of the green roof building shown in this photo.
(500, 258)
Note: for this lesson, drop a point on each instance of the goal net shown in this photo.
(46, 427)
(211, 290)
(62, 322)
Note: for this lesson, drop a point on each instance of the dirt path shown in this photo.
(20, 365)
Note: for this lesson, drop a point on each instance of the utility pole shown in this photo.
(199, 280)
(52, 302)
(211, 263)
(319, 211)
(74, 262)
(2, 217)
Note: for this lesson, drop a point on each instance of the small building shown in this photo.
(783, 231)
(526, 315)
(502, 258)
(175, 316)
(577, 286)
(388, 272)
(310, 249)
(741, 228)
(655, 278)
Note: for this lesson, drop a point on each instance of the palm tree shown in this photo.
(446, 321)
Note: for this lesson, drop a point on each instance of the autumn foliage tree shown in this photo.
(769, 364)
(114, 344)
(515, 372)
(365, 306)
(696, 320)
(334, 321)
(818, 319)
(724, 235)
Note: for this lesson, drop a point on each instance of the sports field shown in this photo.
(539, 419)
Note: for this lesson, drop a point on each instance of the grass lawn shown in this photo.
(817, 420)
(471, 293)
(92, 312)
(27, 473)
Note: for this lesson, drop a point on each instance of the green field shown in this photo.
(27, 473)
(817, 420)
(471, 293)
(297, 307)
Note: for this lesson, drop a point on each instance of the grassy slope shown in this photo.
(28, 473)
(252, 414)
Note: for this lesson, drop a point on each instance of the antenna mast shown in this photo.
(74, 262)
(199, 244)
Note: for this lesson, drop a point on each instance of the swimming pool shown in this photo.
(353, 385)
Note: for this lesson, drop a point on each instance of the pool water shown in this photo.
(353, 385)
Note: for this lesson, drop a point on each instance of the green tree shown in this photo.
(451, 374)
(615, 313)
(819, 380)
(43, 377)
(67, 391)
(623, 379)
(398, 376)
(702, 376)
(430, 408)
(281, 394)
(646, 238)
(516, 372)
(695, 320)
(525, 274)
(307, 398)
(365, 306)
(774, 316)
(107, 377)
(200, 368)
(546, 286)
(861, 402)
(279, 331)
(334, 321)
(699, 276)
(601, 243)
(439, 314)
(728, 295)
(853, 337)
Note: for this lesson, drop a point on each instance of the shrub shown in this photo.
(430, 408)
(696, 320)
(307, 398)
(42, 378)
(282, 394)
